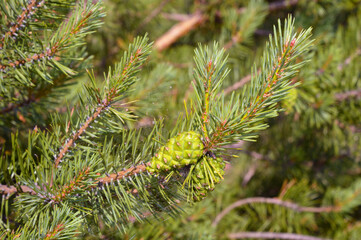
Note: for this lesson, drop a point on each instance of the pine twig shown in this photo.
(122, 174)
(272, 235)
(349, 59)
(30, 10)
(82, 129)
(153, 14)
(9, 190)
(12, 107)
(273, 201)
(53, 233)
(250, 173)
(281, 4)
(50, 51)
(176, 16)
(349, 94)
(33, 98)
(189, 23)
(238, 84)
(102, 106)
(178, 30)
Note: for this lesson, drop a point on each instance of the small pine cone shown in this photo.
(203, 181)
(180, 151)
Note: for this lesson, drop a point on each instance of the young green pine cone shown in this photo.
(206, 174)
(184, 149)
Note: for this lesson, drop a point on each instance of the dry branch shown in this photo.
(178, 30)
(154, 13)
(8, 190)
(274, 201)
(189, 23)
(272, 235)
(238, 84)
(349, 94)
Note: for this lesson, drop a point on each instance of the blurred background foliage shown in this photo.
(310, 155)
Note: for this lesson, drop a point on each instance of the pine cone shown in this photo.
(182, 150)
(206, 174)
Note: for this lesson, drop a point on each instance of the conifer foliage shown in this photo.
(77, 152)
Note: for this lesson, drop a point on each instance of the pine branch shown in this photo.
(178, 30)
(34, 97)
(274, 201)
(123, 174)
(272, 235)
(19, 64)
(64, 38)
(60, 223)
(118, 82)
(209, 75)
(22, 19)
(236, 118)
(65, 190)
(68, 144)
(246, 23)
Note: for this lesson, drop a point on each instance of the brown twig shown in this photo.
(272, 235)
(274, 201)
(188, 23)
(122, 174)
(349, 59)
(34, 98)
(14, 106)
(281, 4)
(103, 104)
(176, 16)
(50, 50)
(21, 20)
(238, 84)
(153, 14)
(72, 140)
(8, 190)
(349, 94)
(178, 30)
(274, 6)
(250, 173)
(256, 155)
